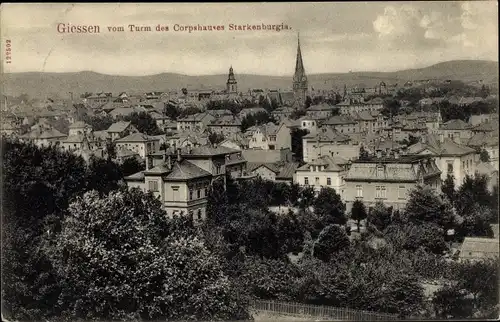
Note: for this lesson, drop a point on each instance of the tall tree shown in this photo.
(379, 216)
(448, 188)
(119, 257)
(144, 123)
(424, 205)
(332, 239)
(358, 212)
(329, 207)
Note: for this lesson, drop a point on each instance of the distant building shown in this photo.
(389, 179)
(451, 158)
(196, 122)
(231, 84)
(140, 143)
(121, 129)
(269, 137)
(276, 171)
(79, 128)
(300, 84)
(181, 178)
(325, 171)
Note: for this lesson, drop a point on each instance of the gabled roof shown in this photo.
(331, 163)
(455, 125)
(137, 137)
(446, 148)
(118, 127)
(321, 107)
(185, 170)
(45, 134)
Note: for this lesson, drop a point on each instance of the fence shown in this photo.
(327, 312)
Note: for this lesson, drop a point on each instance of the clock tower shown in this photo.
(299, 78)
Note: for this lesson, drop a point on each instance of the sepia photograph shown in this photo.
(288, 161)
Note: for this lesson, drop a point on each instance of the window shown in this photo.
(377, 192)
(450, 167)
(401, 192)
(199, 214)
(217, 169)
(153, 185)
(190, 194)
(383, 192)
(328, 181)
(359, 191)
(306, 181)
(198, 193)
(380, 171)
(463, 164)
(316, 181)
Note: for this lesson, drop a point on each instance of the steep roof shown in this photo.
(455, 124)
(118, 127)
(185, 170)
(137, 137)
(408, 169)
(331, 163)
(446, 148)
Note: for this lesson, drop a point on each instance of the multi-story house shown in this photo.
(308, 123)
(451, 158)
(140, 143)
(321, 111)
(181, 178)
(195, 122)
(342, 124)
(187, 139)
(325, 171)
(121, 129)
(487, 141)
(226, 125)
(328, 142)
(389, 179)
(269, 137)
(251, 111)
(44, 137)
(457, 130)
(274, 171)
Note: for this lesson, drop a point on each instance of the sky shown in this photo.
(335, 37)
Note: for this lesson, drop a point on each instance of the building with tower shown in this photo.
(232, 84)
(299, 78)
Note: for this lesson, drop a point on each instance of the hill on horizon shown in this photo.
(58, 85)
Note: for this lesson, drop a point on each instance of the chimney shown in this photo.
(178, 154)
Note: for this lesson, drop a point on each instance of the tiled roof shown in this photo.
(283, 170)
(483, 139)
(185, 170)
(447, 148)
(327, 134)
(339, 120)
(226, 120)
(121, 153)
(136, 137)
(118, 127)
(402, 170)
(455, 125)
(331, 163)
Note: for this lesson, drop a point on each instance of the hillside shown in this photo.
(44, 85)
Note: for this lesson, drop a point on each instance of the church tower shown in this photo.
(232, 84)
(299, 78)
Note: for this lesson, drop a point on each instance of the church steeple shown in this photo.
(231, 84)
(299, 78)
